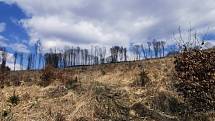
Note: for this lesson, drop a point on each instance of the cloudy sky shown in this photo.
(60, 23)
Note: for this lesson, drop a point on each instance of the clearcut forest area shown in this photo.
(107, 60)
(175, 88)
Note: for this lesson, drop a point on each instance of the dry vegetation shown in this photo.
(195, 72)
(129, 91)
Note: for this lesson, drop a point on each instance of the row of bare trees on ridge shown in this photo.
(76, 56)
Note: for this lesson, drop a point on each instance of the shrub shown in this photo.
(195, 74)
(82, 119)
(60, 117)
(2, 78)
(56, 92)
(14, 99)
(71, 84)
(56, 116)
(15, 80)
(168, 104)
(6, 115)
(103, 72)
(141, 80)
(47, 75)
(110, 103)
(3, 75)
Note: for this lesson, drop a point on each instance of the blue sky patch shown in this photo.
(11, 14)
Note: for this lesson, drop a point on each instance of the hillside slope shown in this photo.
(129, 91)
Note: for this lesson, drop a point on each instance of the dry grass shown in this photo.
(104, 92)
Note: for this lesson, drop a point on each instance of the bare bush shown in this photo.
(110, 103)
(60, 117)
(195, 79)
(168, 104)
(71, 84)
(56, 92)
(4, 72)
(14, 99)
(47, 76)
(15, 80)
(141, 80)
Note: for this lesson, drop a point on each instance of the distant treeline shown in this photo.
(69, 57)
(80, 56)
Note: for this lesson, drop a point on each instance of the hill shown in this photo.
(128, 91)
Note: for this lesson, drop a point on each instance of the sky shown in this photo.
(66, 23)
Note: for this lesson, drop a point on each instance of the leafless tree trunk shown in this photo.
(163, 47)
(4, 57)
(21, 60)
(29, 61)
(15, 58)
(149, 49)
(143, 51)
(125, 54)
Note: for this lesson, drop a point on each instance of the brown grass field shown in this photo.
(129, 91)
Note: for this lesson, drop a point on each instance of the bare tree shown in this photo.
(159, 48)
(125, 54)
(96, 55)
(15, 59)
(29, 61)
(74, 56)
(143, 51)
(101, 54)
(21, 60)
(34, 61)
(137, 51)
(114, 53)
(64, 59)
(194, 41)
(104, 53)
(52, 59)
(156, 46)
(78, 55)
(4, 57)
(149, 49)
(121, 53)
(163, 47)
(38, 49)
(86, 53)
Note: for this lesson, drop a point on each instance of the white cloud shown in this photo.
(109, 22)
(2, 41)
(2, 27)
(10, 61)
(19, 47)
(2, 38)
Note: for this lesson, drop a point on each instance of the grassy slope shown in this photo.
(100, 86)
